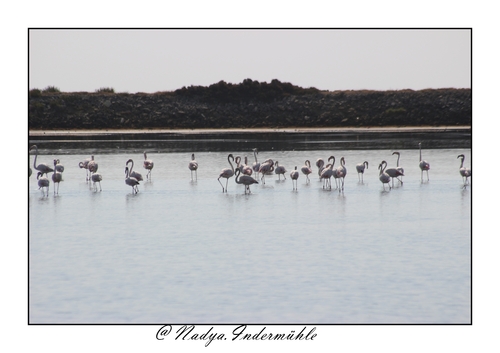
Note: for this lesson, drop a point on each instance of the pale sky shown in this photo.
(329, 59)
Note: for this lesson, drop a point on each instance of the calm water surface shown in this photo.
(181, 251)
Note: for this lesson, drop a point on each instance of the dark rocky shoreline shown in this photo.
(228, 107)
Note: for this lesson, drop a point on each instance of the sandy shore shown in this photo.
(266, 130)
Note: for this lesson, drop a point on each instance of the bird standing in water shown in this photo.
(360, 168)
(246, 180)
(294, 175)
(306, 169)
(226, 172)
(148, 165)
(383, 176)
(466, 173)
(42, 167)
(193, 167)
(424, 165)
(56, 177)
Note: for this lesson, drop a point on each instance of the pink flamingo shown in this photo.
(227, 172)
(306, 169)
(148, 165)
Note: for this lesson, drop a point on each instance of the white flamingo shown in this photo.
(266, 167)
(341, 172)
(132, 172)
(148, 165)
(306, 169)
(395, 172)
(320, 163)
(93, 166)
(327, 173)
(280, 170)
(43, 182)
(85, 165)
(58, 166)
(383, 176)
(131, 181)
(294, 175)
(256, 165)
(56, 177)
(246, 180)
(42, 167)
(360, 168)
(424, 165)
(226, 172)
(96, 178)
(193, 167)
(464, 172)
(398, 167)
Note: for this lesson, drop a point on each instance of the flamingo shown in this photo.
(398, 167)
(395, 172)
(93, 166)
(424, 165)
(58, 166)
(193, 167)
(294, 175)
(237, 160)
(133, 174)
(327, 173)
(464, 172)
(85, 165)
(383, 176)
(148, 165)
(245, 180)
(320, 163)
(255, 165)
(131, 181)
(42, 167)
(56, 177)
(43, 182)
(361, 169)
(265, 168)
(245, 168)
(306, 169)
(227, 172)
(96, 178)
(341, 171)
(280, 170)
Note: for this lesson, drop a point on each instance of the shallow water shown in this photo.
(182, 251)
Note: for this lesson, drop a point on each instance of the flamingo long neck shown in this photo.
(237, 176)
(132, 166)
(397, 163)
(420, 146)
(229, 160)
(36, 155)
(255, 155)
(333, 163)
(462, 164)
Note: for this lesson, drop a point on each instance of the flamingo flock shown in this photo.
(245, 174)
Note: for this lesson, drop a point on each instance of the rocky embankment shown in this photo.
(226, 106)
